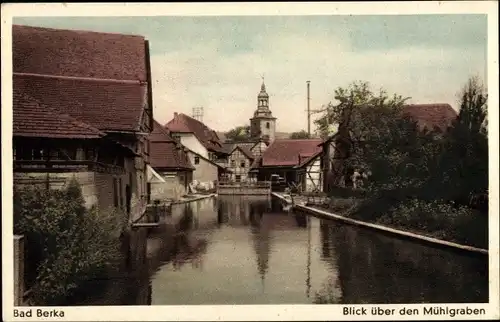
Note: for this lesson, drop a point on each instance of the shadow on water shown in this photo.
(375, 268)
(247, 250)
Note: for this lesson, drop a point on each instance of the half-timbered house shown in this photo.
(282, 157)
(89, 95)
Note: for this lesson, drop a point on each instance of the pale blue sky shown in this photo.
(216, 62)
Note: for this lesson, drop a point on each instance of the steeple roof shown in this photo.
(263, 93)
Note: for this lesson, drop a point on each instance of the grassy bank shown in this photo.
(434, 218)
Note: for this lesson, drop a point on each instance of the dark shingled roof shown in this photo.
(431, 116)
(165, 153)
(185, 124)
(107, 105)
(286, 152)
(78, 53)
(31, 119)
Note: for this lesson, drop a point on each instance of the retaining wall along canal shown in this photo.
(258, 188)
(396, 232)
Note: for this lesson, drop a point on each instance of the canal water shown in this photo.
(247, 250)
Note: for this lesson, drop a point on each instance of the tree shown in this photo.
(238, 134)
(363, 121)
(67, 245)
(464, 158)
(299, 135)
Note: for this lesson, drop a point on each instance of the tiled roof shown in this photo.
(286, 152)
(105, 104)
(78, 53)
(31, 119)
(186, 124)
(228, 147)
(159, 133)
(305, 160)
(431, 115)
(165, 153)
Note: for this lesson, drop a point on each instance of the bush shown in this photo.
(343, 205)
(441, 220)
(66, 244)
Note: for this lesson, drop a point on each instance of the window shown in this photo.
(268, 125)
(233, 163)
(242, 164)
(196, 160)
(237, 178)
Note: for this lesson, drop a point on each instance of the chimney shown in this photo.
(176, 114)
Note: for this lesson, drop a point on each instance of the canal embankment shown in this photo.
(380, 228)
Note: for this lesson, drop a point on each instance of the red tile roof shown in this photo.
(78, 53)
(431, 115)
(185, 124)
(305, 160)
(286, 152)
(31, 119)
(165, 153)
(160, 134)
(105, 104)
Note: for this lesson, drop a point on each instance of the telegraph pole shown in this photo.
(308, 110)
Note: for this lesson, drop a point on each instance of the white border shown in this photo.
(258, 312)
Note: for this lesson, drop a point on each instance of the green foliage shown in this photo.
(405, 163)
(66, 243)
(299, 135)
(239, 134)
(440, 219)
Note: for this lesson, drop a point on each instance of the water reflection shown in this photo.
(246, 250)
(375, 268)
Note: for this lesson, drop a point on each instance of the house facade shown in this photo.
(240, 161)
(309, 172)
(205, 150)
(282, 157)
(83, 109)
(172, 171)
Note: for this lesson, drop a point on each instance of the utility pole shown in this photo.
(308, 111)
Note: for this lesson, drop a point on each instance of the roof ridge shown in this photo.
(78, 31)
(90, 79)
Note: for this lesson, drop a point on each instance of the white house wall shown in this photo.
(313, 175)
(191, 142)
(205, 172)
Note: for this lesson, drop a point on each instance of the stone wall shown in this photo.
(59, 181)
(18, 270)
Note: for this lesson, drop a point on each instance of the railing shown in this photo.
(233, 184)
(244, 188)
(68, 165)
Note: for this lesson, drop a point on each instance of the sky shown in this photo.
(217, 62)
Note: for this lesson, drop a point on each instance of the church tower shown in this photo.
(263, 124)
